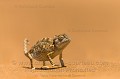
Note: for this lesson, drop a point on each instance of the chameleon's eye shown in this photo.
(61, 38)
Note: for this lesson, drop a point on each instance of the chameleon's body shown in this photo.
(47, 48)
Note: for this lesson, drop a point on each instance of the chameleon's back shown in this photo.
(40, 50)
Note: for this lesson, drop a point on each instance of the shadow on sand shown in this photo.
(44, 68)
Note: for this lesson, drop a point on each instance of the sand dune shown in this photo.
(93, 27)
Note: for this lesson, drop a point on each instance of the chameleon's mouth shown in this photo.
(65, 41)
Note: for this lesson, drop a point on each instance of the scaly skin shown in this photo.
(47, 49)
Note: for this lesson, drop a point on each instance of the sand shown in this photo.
(92, 25)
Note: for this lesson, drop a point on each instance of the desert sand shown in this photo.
(92, 25)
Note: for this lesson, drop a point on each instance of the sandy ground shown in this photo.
(92, 25)
(76, 69)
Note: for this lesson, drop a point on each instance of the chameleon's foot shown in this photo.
(64, 66)
(33, 68)
(56, 65)
(45, 67)
(53, 65)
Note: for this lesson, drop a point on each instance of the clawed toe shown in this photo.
(33, 68)
(64, 66)
(56, 65)
(45, 67)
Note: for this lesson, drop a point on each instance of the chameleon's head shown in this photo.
(61, 41)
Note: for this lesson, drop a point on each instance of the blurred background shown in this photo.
(92, 25)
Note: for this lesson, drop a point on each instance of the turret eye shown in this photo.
(61, 38)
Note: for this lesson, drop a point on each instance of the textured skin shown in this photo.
(40, 50)
(47, 48)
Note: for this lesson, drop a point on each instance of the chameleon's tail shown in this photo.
(26, 42)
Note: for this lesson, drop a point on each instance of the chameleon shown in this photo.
(47, 49)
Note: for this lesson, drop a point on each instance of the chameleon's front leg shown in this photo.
(50, 58)
(61, 60)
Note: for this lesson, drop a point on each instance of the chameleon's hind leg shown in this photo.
(44, 66)
(31, 61)
(44, 63)
(61, 60)
(50, 59)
